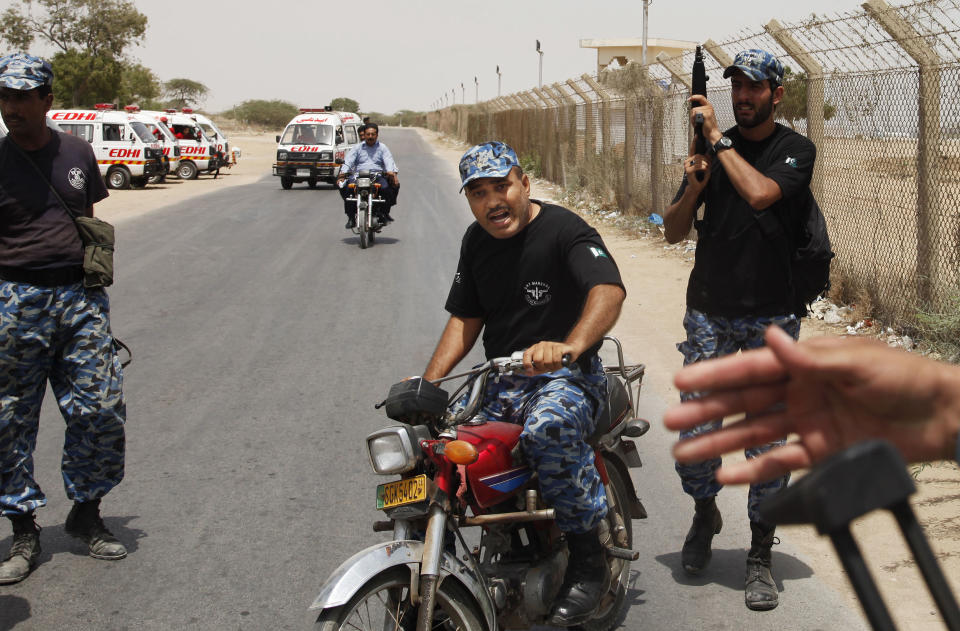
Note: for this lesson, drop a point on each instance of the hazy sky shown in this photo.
(407, 54)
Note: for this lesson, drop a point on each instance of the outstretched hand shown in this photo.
(829, 392)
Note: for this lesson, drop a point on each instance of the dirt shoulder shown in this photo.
(655, 275)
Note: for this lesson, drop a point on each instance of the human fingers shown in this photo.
(757, 399)
(754, 367)
(773, 464)
(750, 432)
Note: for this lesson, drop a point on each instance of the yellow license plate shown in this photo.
(402, 492)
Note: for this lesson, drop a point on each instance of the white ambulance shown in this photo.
(229, 155)
(169, 144)
(126, 150)
(314, 145)
(197, 151)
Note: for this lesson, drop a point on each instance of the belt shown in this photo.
(53, 277)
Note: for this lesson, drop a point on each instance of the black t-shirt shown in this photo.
(739, 270)
(531, 287)
(35, 230)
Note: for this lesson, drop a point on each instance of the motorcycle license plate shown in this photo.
(402, 492)
(303, 172)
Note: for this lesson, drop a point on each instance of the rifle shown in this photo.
(699, 86)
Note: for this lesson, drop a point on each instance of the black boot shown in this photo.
(760, 591)
(24, 552)
(351, 222)
(707, 522)
(84, 522)
(587, 579)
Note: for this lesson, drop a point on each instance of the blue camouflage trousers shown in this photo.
(558, 414)
(61, 334)
(709, 337)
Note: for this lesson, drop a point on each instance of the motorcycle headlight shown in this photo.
(396, 449)
(281, 155)
(363, 182)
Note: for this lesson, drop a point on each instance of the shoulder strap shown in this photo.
(43, 177)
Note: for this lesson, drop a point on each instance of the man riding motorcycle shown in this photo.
(535, 276)
(371, 155)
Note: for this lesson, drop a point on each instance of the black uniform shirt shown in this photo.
(530, 287)
(35, 230)
(738, 270)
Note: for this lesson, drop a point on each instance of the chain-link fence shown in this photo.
(875, 89)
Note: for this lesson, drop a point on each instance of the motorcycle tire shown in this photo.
(620, 529)
(362, 221)
(383, 602)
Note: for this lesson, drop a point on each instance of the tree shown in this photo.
(90, 36)
(184, 92)
(272, 114)
(343, 104)
(139, 85)
(793, 106)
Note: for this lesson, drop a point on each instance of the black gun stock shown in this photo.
(699, 86)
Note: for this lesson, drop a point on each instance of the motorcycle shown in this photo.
(366, 195)
(459, 471)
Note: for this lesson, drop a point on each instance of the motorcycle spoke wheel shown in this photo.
(383, 604)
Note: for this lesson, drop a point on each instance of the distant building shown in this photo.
(628, 49)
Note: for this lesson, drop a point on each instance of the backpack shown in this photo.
(811, 256)
(810, 252)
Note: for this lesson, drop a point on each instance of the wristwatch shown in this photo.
(724, 143)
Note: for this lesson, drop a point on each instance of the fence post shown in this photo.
(568, 107)
(629, 150)
(604, 111)
(815, 99)
(589, 121)
(936, 251)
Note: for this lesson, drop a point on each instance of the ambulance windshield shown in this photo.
(304, 134)
(141, 130)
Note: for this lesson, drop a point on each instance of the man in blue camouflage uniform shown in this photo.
(51, 327)
(535, 276)
(754, 180)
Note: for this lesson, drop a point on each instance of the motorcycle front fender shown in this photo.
(353, 573)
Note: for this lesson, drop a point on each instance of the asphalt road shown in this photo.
(262, 337)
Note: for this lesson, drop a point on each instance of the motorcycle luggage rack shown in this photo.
(630, 373)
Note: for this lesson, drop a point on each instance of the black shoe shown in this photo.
(351, 224)
(388, 218)
(24, 552)
(707, 522)
(84, 523)
(760, 590)
(586, 581)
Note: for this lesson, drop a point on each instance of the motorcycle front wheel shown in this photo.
(362, 221)
(383, 604)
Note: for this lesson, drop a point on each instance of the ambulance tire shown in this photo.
(312, 183)
(187, 170)
(118, 178)
(286, 183)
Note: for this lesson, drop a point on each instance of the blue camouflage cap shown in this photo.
(20, 71)
(490, 159)
(757, 65)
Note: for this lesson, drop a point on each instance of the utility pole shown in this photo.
(463, 94)
(476, 94)
(540, 52)
(643, 54)
(498, 81)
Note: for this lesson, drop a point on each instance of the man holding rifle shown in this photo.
(753, 180)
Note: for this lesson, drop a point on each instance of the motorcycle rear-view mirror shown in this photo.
(278, 138)
(338, 161)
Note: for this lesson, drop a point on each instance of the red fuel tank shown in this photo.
(494, 476)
